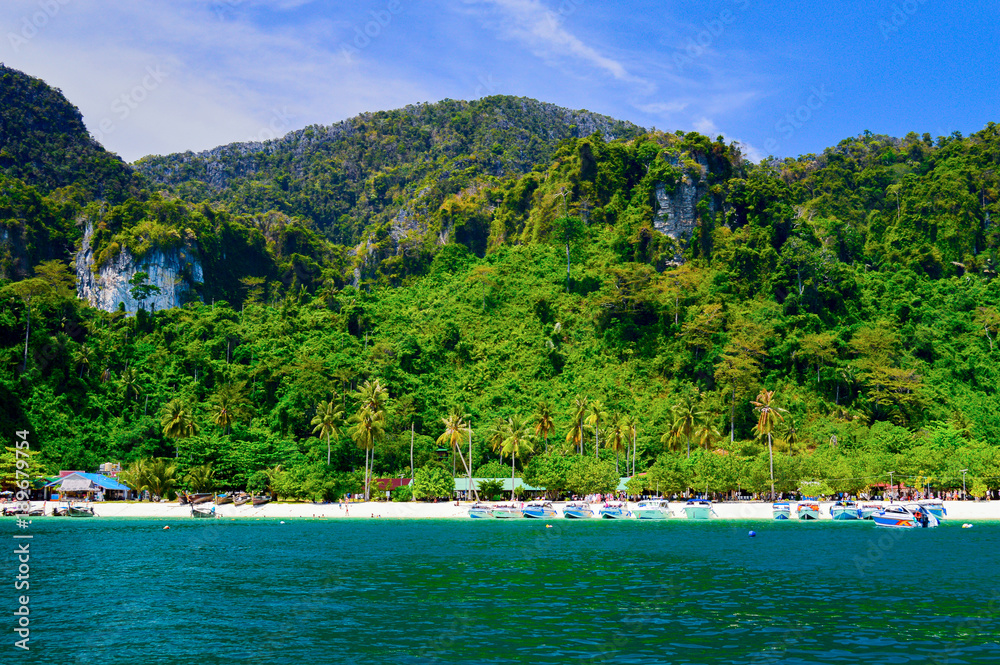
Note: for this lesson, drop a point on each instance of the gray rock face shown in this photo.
(173, 271)
(677, 213)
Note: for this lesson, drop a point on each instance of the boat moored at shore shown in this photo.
(845, 510)
(79, 510)
(614, 510)
(781, 510)
(905, 516)
(539, 510)
(698, 509)
(867, 510)
(203, 512)
(578, 510)
(807, 509)
(935, 507)
(652, 509)
(480, 511)
(506, 512)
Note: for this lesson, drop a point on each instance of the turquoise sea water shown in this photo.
(490, 591)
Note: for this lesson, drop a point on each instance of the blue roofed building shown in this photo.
(89, 485)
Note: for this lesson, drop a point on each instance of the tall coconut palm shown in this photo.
(596, 416)
(83, 357)
(495, 435)
(369, 428)
(328, 420)
(130, 383)
(456, 431)
(672, 439)
(543, 422)
(706, 434)
(687, 419)
(616, 438)
(630, 428)
(768, 415)
(228, 405)
(517, 443)
(579, 423)
(177, 422)
(374, 397)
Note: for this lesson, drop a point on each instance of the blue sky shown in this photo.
(153, 77)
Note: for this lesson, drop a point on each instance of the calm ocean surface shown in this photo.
(490, 591)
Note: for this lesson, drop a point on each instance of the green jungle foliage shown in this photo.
(542, 306)
(354, 178)
(43, 141)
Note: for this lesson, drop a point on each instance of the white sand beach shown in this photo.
(957, 510)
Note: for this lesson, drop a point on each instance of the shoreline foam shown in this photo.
(746, 510)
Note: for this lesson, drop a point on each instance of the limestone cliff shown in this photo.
(174, 272)
(677, 213)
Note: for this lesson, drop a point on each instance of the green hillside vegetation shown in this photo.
(352, 179)
(858, 285)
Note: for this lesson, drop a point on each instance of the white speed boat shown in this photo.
(652, 509)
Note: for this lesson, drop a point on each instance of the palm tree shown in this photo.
(687, 419)
(543, 422)
(228, 405)
(630, 428)
(201, 478)
(161, 477)
(576, 430)
(706, 434)
(327, 421)
(768, 416)
(671, 439)
(372, 396)
(177, 422)
(456, 429)
(135, 475)
(130, 383)
(83, 357)
(517, 442)
(272, 479)
(616, 439)
(495, 436)
(595, 416)
(368, 429)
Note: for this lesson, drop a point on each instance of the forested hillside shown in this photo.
(362, 176)
(635, 294)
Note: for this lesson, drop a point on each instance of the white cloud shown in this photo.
(220, 77)
(542, 31)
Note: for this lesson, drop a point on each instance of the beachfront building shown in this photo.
(462, 487)
(90, 486)
(388, 485)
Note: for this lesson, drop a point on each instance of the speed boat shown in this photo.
(506, 512)
(867, 510)
(934, 507)
(539, 510)
(652, 509)
(905, 516)
(578, 511)
(782, 510)
(845, 510)
(614, 510)
(698, 509)
(480, 511)
(808, 509)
